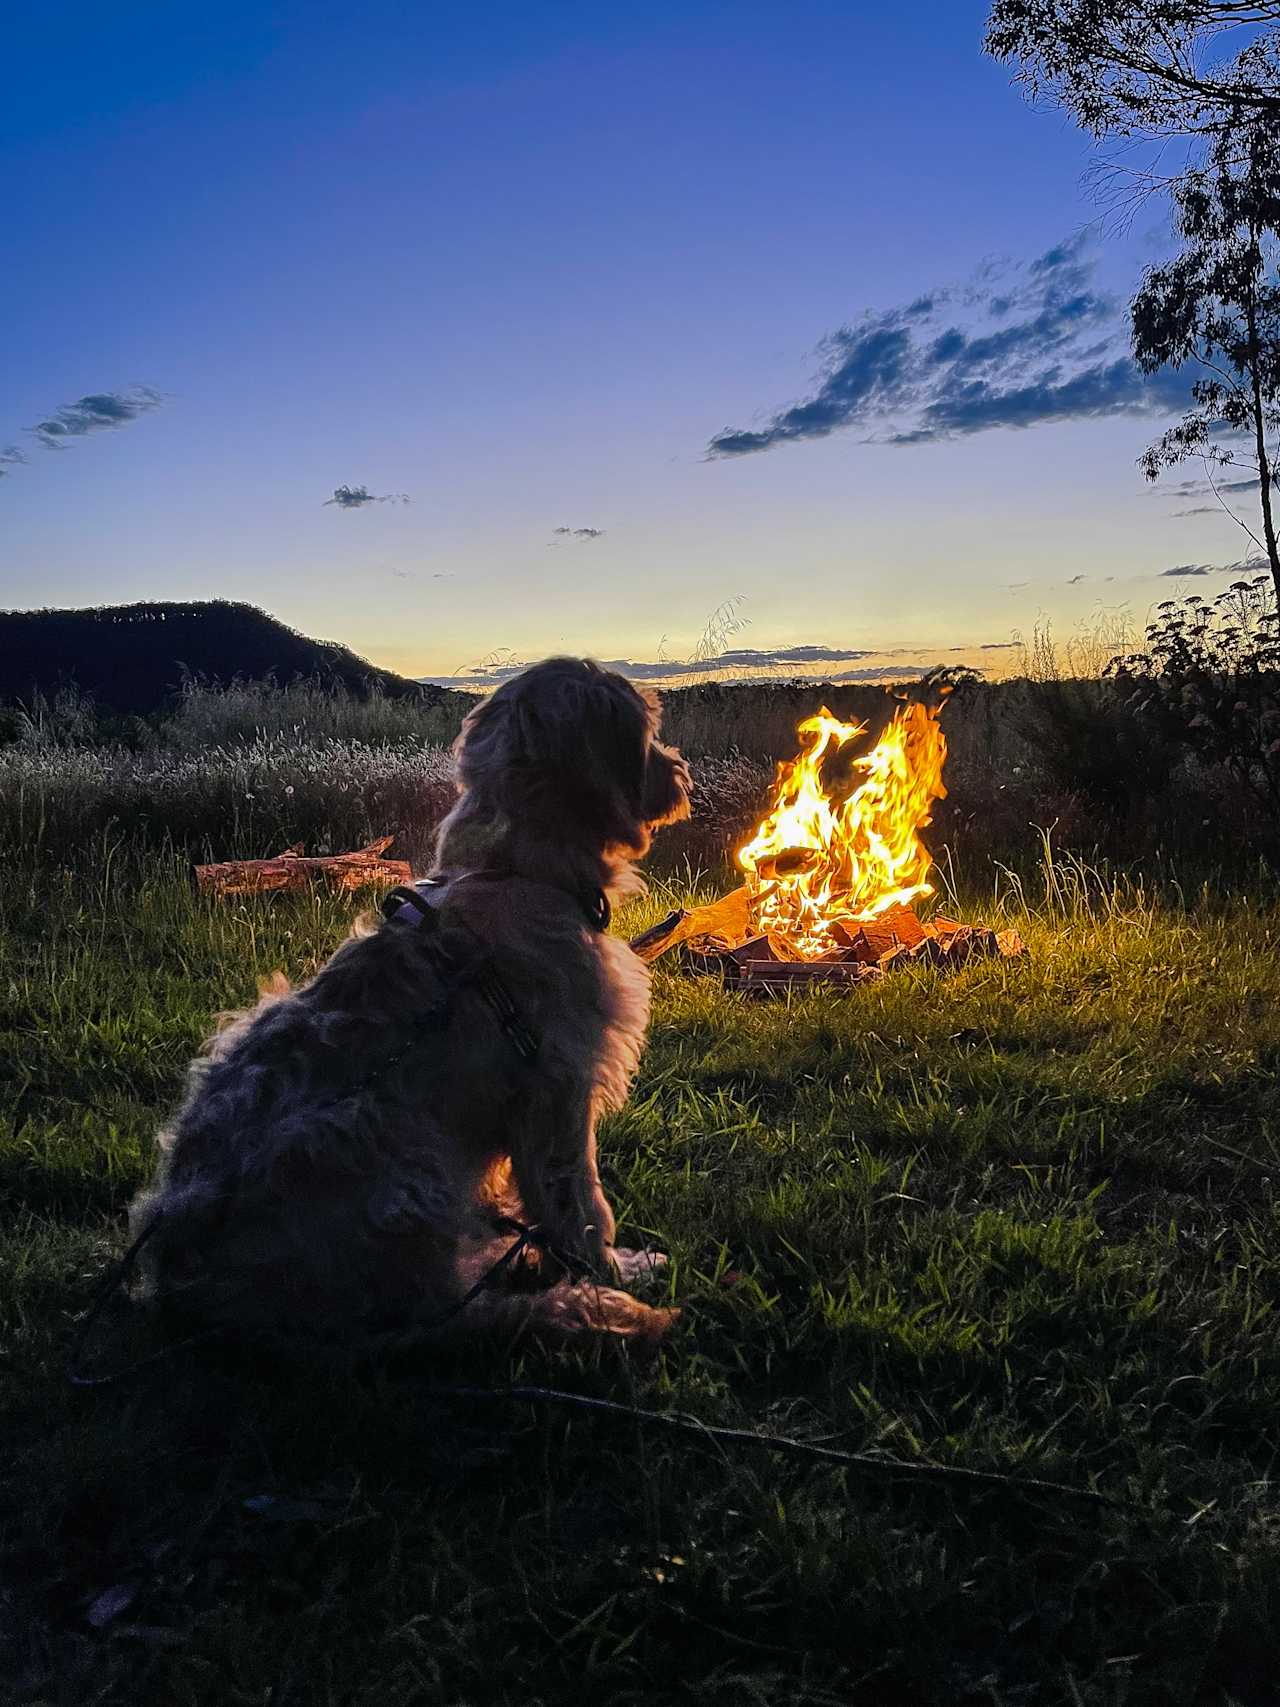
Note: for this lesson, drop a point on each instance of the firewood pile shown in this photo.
(719, 938)
(293, 870)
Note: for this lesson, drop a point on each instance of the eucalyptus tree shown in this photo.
(1153, 68)
(1215, 307)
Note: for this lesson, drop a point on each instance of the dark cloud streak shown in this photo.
(96, 412)
(356, 497)
(1189, 571)
(1051, 349)
(741, 661)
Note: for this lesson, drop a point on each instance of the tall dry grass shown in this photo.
(244, 770)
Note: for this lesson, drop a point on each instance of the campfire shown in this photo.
(836, 868)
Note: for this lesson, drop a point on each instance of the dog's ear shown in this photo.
(484, 750)
(626, 728)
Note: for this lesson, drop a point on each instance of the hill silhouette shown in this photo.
(133, 659)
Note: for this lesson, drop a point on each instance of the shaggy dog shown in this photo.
(348, 1151)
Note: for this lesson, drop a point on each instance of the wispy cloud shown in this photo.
(740, 662)
(356, 497)
(578, 533)
(881, 673)
(812, 662)
(97, 412)
(1189, 571)
(1202, 488)
(10, 456)
(1014, 348)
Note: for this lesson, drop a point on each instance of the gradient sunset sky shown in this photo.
(542, 327)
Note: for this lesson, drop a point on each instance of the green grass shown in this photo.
(1022, 1218)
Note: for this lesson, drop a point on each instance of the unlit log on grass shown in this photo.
(292, 870)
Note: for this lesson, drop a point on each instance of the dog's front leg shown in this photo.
(553, 1156)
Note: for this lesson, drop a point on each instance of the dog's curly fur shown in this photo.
(344, 1147)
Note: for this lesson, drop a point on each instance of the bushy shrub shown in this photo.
(1208, 681)
(1091, 755)
(730, 796)
(1089, 744)
(244, 771)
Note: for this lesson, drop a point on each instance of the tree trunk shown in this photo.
(1260, 441)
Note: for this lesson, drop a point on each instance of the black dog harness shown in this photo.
(419, 904)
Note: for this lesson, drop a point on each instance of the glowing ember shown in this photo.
(841, 842)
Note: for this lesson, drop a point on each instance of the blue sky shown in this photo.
(560, 267)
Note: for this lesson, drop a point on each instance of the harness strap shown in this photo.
(594, 902)
(481, 973)
(405, 896)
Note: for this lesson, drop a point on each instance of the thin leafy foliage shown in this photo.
(1216, 307)
(1209, 680)
(1150, 68)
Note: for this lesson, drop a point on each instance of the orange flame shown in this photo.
(833, 852)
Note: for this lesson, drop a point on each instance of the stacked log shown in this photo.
(719, 938)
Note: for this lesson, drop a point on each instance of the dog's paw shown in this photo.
(635, 1267)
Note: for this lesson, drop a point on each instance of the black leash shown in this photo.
(865, 1462)
(117, 1276)
(117, 1279)
(681, 1421)
(715, 1434)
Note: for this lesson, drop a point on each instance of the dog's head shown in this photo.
(571, 750)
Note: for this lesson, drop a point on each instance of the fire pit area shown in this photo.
(834, 869)
(718, 938)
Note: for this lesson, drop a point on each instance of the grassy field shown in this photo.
(1020, 1219)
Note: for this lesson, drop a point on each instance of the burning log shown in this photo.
(292, 870)
(721, 938)
(872, 941)
(830, 857)
(722, 924)
(832, 869)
